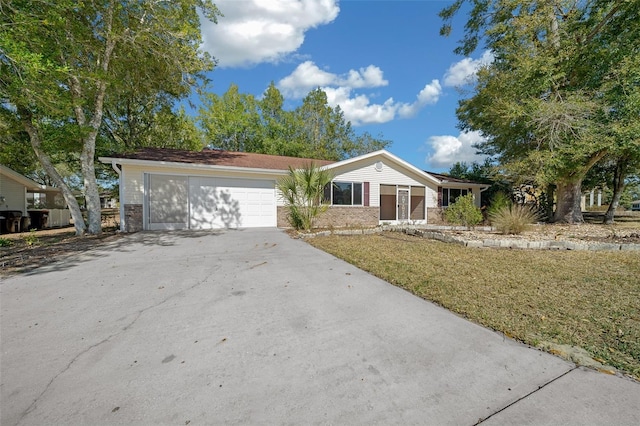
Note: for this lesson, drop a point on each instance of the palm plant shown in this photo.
(302, 191)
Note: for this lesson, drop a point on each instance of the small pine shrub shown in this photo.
(463, 212)
(5, 242)
(31, 239)
(498, 201)
(513, 219)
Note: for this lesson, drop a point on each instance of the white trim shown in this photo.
(387, 155)
(173, 164)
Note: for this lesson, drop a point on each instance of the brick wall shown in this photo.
(338, 217)
(133, 217)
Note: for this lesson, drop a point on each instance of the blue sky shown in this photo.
(383, 62)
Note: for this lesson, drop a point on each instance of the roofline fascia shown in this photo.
(30, 184)
(134, 162)
(386, 154)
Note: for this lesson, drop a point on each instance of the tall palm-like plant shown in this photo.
(302, 191)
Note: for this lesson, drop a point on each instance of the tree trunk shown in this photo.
(92, 196)
(618, 186)
(36, 144)
(568, 209)
(550, 200)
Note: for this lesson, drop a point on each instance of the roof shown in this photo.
(23, 180)
(214, 157)
(449, 179)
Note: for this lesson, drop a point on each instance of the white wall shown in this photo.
(15, 195)
(133, 178)
(389, 174)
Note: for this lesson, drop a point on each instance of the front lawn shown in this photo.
(581, 298)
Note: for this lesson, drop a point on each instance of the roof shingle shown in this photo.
(216, 157)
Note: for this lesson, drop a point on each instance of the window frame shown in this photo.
(446, 191)
(352, 190)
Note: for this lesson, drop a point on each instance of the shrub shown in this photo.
(5, 242)
(463, 212)
(514, 219)
(31, 239)
(498, 201)
(302, 191)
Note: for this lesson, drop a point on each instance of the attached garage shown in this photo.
(167, 189)
(205, 202)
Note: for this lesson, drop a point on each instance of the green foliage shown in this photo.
(64, 63)
(238, 122)
(499, 201)
(5, 242)
(513, 218)
(31, 239)
(562, 91)
(486, 172)
(302, 191)
(463, 212)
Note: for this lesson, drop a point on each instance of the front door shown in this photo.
(403, 204)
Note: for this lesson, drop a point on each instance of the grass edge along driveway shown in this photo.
(586, 299)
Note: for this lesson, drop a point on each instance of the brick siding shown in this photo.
(133, 217)
(338, 217)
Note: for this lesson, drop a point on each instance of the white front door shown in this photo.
(403, 204)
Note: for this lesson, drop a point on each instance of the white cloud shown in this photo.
(357, 108)
(254, 31)
(447, 149)
(428, 95)
(307, 76)
(464, 71)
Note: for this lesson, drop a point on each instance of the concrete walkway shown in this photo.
(252, 327)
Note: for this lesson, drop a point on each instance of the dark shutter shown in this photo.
(366, 194)
(439, 196)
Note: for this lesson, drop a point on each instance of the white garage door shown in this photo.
(180, 202)
(231, 203)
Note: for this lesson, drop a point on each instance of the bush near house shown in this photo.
(302, 191)
(463, 212)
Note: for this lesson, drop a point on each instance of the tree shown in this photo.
(546, 103)
(302, 192)
(231, 121)
(238, 122)
(322, 130)
(615, 173)
(63, 62)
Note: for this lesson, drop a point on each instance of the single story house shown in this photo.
(635, 205)
(21, 197)
(175, 189)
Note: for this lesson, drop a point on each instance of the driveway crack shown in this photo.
(482, 420)
(137, 316)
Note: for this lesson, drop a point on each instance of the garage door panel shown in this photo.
(168, 202)
(196, 202)
(231, 203)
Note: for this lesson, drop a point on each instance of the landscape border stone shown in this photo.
(437, 232)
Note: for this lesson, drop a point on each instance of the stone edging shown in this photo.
(436, 234)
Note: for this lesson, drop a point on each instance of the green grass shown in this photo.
(580, 298)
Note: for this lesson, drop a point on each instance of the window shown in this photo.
(344, 193)
(450, 195)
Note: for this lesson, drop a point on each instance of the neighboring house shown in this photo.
(17, 197)
(635, 206)
(107, 201)
(174, 189)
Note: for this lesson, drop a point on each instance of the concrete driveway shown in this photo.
(252, 327)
